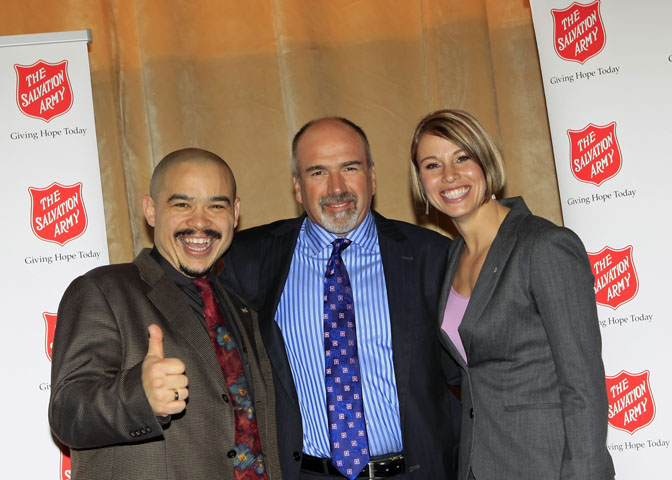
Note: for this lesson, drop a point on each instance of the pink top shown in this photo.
(452, 317)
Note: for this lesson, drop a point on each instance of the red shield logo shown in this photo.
(66, 469)
(631, 405)
(595, 154)
(578, 31)
(49, 329)
(57, 212)
(616, 279)
(43, 89)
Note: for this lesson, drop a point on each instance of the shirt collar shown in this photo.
(364, 236)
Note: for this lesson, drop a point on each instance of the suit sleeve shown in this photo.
(562, 285)
(94, 401)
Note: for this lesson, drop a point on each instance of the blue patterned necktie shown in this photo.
(345, 410)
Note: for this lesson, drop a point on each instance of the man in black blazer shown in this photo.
(396, 270)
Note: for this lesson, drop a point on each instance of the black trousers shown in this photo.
(316, 476)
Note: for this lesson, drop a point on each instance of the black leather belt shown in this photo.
(378, 468)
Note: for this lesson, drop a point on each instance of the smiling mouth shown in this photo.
(455, 193)
(197, 244)
(338, 205)
(338, 201)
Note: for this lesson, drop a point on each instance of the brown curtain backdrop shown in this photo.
(239, 77)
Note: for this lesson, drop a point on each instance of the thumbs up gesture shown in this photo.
(163, 379)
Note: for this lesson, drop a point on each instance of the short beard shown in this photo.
(194, 273)
(342, 222)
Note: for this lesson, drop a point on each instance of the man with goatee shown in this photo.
(158, 370)
(347, 303)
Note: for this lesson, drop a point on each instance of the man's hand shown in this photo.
(163, 377)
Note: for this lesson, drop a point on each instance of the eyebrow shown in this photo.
(182, 196)
(434, 157)
(221, 198)
(342, 165)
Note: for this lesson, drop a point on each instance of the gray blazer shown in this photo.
(534, 402)
(98, 406)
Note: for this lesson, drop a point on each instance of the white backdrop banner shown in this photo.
(607, 73)
(54, 232)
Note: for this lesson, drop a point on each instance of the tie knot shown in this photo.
(340, 244)
(203, 285)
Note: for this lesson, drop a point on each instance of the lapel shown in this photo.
(455, 251)
(276, 258)
(497, 257)
(168, 299)
(398, 267)
(241, 314)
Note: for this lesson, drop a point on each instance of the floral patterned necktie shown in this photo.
(249, 461)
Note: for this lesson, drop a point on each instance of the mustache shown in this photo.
(338, 198)
(190, 231)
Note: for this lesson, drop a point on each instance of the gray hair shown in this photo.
(358, 130)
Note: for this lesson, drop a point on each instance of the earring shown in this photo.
(426, 207)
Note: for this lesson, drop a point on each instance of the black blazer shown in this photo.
(414, 261)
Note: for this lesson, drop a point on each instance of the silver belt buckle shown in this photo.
(370, 464)
(371, 475)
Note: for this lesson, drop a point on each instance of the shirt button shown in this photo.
(297, 456)
(225, 397)
(231, 453)
(471, 413)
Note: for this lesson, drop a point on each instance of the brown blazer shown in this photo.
(98, 406)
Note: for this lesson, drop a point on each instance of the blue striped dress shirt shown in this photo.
(299, 316)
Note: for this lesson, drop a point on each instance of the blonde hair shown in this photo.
(464, 130)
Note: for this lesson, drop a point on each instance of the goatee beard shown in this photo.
(193, 273)
(190, 231)
(342, 222)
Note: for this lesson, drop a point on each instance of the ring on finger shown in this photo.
(177, 394)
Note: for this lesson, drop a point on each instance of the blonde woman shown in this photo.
(518, 314)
